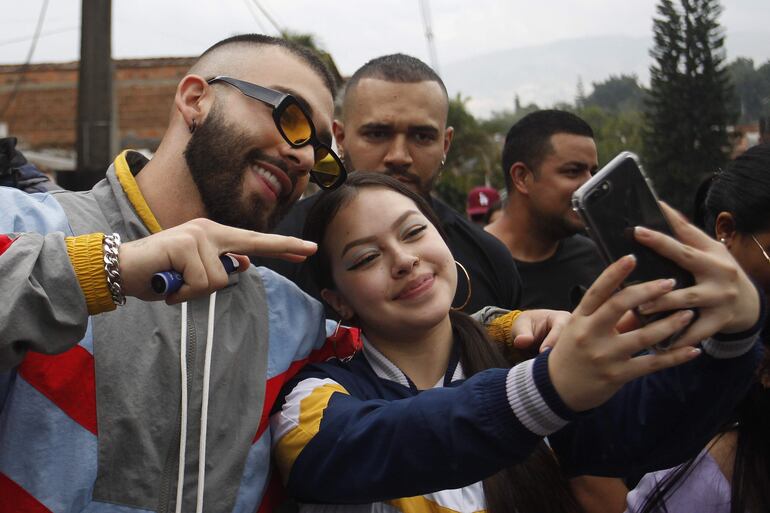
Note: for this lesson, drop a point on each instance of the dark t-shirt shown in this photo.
(558, 282)
(494, 280)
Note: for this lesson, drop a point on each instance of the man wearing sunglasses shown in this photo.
(279, 179)
(394, 120)
(114, 404)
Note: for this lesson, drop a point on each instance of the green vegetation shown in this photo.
(687, 109)
(679, 125)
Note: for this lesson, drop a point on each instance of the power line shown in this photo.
(23, 69)
(250, 7)
(272, 21)
(24, 39)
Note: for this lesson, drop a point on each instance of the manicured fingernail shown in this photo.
(695, 351)
(642, 231)
(628, 261)
(309, 244)
(668, 284)
(685, 316)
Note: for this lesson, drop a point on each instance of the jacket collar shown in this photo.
(387, 370)
(127, 164)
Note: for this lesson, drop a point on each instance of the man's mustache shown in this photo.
(404, 174)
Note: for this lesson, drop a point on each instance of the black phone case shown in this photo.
(614, 201)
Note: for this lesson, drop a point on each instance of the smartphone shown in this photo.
(616, 199)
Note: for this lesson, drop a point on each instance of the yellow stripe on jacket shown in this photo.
(306, 422)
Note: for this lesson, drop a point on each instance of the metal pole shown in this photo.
(97, 119)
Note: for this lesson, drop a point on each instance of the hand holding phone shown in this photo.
(612, 203)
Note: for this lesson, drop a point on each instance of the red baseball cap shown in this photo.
(480, 199)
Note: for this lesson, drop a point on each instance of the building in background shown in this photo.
(38, 105)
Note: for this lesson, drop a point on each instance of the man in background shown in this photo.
(547, 155)
(394, 121)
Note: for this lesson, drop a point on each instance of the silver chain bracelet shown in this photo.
(111, 246)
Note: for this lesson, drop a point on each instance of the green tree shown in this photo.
(472, 158)
(752, 89)
(310, 41)
(580, 95)
(614, 131)
(687, 106)
(501, 121)
(617, 93)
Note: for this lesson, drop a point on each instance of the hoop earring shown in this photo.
(470, 291)
(192, 127)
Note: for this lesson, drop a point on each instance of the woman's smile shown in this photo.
(416, 287)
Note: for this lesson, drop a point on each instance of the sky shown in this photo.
(353, 31)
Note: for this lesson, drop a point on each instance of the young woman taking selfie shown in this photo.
(427, 417)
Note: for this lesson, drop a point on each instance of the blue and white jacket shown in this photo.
(357, 436)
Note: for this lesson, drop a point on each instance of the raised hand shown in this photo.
(595, 352)
(725, 297)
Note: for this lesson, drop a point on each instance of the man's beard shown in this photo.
(423, 188)
(218, 157)
(556, 227)
(413, 180)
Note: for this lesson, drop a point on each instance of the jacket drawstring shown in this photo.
(183, 420)
(204, 407)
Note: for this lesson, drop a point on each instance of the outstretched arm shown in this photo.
(51, 281)
(339, 444)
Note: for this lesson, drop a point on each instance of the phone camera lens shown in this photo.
(599, 192)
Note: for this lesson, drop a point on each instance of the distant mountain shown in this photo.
(549, 73)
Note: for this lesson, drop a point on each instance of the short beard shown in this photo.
(411, 179)
(555, 228)
(218, 157)
(424, 188)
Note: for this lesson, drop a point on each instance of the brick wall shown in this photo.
(43, 112)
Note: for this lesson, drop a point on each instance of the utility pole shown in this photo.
(97, 112)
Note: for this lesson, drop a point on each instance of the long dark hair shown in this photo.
(750, 487)
(535, 485)
(743, 190)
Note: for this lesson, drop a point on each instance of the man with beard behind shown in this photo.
(547, 155)
(394, 121)
(108, 404)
